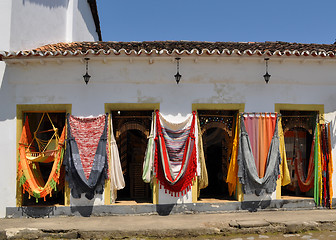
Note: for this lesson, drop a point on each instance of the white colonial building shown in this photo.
(42, 71)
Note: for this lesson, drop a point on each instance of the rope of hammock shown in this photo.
(44, 153)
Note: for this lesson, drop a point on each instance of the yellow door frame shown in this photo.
(21, 109)
(109, 107)
(296, 107)
(218, 106)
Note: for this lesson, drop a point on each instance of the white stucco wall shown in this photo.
(5, 21)
(35, 23)
(119, 80)
(8, 150)
(84, 28)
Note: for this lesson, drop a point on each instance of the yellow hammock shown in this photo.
(47, 149)
(29, 175)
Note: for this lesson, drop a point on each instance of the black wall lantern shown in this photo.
(177, 75)
(267, 76)
(86, 76)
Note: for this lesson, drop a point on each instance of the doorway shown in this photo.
(42, 126)
(131, 129)
(217, 129)
(299, 128)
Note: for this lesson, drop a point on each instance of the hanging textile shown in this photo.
(260, 130)
(86, 162)
(284, 171)
(147, 168)
(47, 149)
(175, 161)
(248, 173)
(318, 169)
(232, 176)
(305, 183)
(326, 166)
(29, 175)
(203, 176)
(116, 174)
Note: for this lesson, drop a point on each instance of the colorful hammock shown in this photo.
(232, 176)
(147, 168)
(318, 168)
(284, 171)
(305, 183)
(326, 165)
(175, 161)
(47, 149)
(86, 162)
(29, 175)
(323, 172)
(248, 173)
(202, 179)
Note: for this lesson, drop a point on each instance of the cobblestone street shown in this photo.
(301, 224)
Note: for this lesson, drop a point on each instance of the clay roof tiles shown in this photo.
(179, 47)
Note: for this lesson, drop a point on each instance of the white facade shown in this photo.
(150, 79)
(27, 24)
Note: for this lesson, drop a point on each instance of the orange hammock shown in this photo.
(29, 175)
(47, 149)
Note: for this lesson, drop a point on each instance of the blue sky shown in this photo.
(303, 21)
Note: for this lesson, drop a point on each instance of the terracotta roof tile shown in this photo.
(180, 47)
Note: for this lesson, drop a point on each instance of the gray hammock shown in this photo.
(247, 172)
(75, 176)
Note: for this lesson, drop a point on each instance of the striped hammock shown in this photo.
(175, 161)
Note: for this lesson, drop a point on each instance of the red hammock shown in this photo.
(182, 182)
(305, 184)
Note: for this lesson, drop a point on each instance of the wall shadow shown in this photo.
(253, 206)
(164, 209)
(49, 4)
(84, 211)
(7, 96)
(37, 212)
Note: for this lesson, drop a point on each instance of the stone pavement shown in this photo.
(178, 225)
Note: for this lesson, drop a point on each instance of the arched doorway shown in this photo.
(131, 130)
(298, 142)
(298, 127)
(217, 152)
(217, 136)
